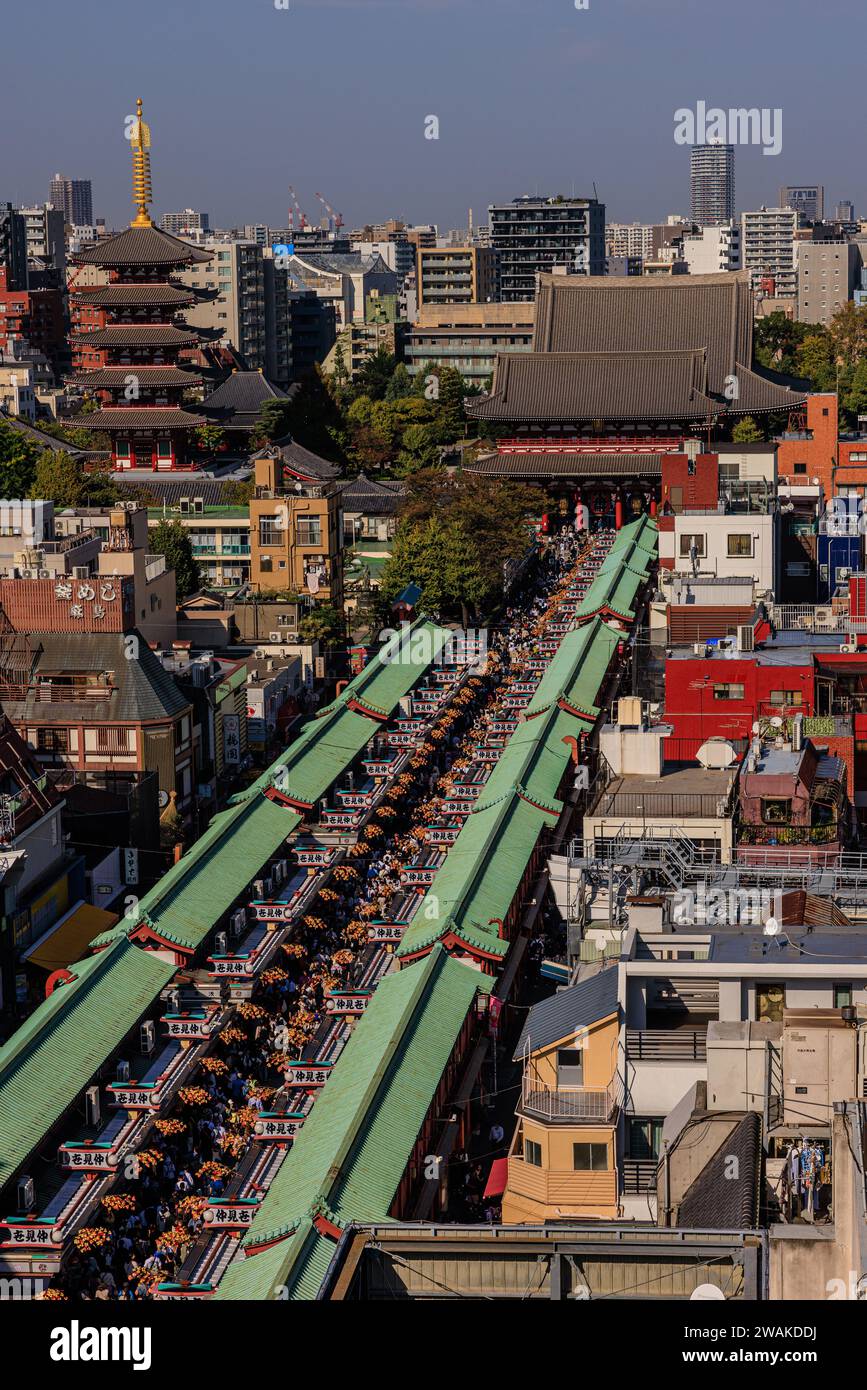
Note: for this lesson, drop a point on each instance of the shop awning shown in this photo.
(70, 938)
(497, 1178)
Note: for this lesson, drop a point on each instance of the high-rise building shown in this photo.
(629, 239)
(535, 235)
(844, 212)
(45, 237)
(180, 223)
(237, 310)
(13, 247)
(768, 251)
(74, 198)
(712, 184)
(806, 198)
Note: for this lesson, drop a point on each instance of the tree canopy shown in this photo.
(172, 539)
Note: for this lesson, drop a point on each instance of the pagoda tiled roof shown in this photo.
(119, 296)
(142, 246)
(137, 335)
(142, 417)
(150, 377)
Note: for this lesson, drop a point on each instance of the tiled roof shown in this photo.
(243, 392)
(115, 378)
(561, 1016)
(142, 246)
(47, 441)
(364, 494)
(55, 1052)
(138, 417)
(629, 347)
(299, 460)
(577, 466)
(136, 335)
(118, 296)
(350, 1156)
(596, 386)
(725, 1196)
(143, 689)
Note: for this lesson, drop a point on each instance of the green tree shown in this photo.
(172, 539)
(18, 458)
(814, 360)
(746, 431)
(210, 437)
(237, 494)
(848, 333)
(419, 449)
(322, 624)
(854, 399)
(58, 478)
(400, 385)
(375, 373)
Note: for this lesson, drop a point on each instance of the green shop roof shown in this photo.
(55, 1052)
(351, 1154)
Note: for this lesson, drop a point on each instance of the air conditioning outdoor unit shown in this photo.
(147, 1037)
(221, 944)
(91, 1107)
(746, 638)
(26, 1193)
(198, 504)
(238, 922)
(273, 637)
(122, 1070)
(174, 1001)
(850, 646)
(258, 888)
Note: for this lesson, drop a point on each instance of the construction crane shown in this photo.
(336, 219)
(297, 208)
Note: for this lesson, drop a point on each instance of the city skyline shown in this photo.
(378, 101)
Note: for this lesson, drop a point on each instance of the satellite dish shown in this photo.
(772, 927)
(705, 1292)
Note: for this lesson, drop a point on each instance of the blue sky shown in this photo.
(531, 95)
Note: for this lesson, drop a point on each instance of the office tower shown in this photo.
(712, 184)
(806, 198)
(827, 275)
(533, 235)
(74, 198)
(844, 212)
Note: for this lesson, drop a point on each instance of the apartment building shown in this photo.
(828, 272)
(768, 252)
(457, 275)
(296, 531)
(537, 235)
(469, 337)
(712, 249)
(712, 184)
(231, 306)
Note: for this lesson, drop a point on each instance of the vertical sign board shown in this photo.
(231, 739)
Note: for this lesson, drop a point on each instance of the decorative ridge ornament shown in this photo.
(142, 195)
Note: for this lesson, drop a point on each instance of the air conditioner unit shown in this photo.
(258, 888)
(851, 646)
(221, 943)
(26, 1193)
(269, 886)
(843, 572)
(824, 615)
(122, 1071)
(198, 504)
(273, 637)
(185, 504)
(91, 1107)
(280, 871)
(238, 922)
(147, 1037)
(174, 1001)
(746, 638)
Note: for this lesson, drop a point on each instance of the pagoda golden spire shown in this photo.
(140, 139)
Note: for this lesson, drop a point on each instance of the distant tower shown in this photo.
(127, 336)
(712, 184)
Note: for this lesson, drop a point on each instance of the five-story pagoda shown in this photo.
(128, 336)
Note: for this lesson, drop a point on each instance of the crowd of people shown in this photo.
(150, 1223)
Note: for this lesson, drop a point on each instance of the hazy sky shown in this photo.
(531, 95)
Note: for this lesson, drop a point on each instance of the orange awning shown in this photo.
(71, 937)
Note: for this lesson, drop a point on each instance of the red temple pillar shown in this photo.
(653, 507)
(618, 511)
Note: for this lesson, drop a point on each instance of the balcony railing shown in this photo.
(639, 1175)
(788, 834)
(581, 1103)
(650, 805)
(666, 1045)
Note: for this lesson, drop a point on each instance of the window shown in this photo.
(842, 996)
(740, 545)
(52, 740)
(776, 811)
(688, 542)
(590, 1158)
(645, 1138)
(728, 692)
(781, 698)
(770, 1002)
(800, 468)
(308, 530)
(533, 1153)
(110, 740)
(570, 1067)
